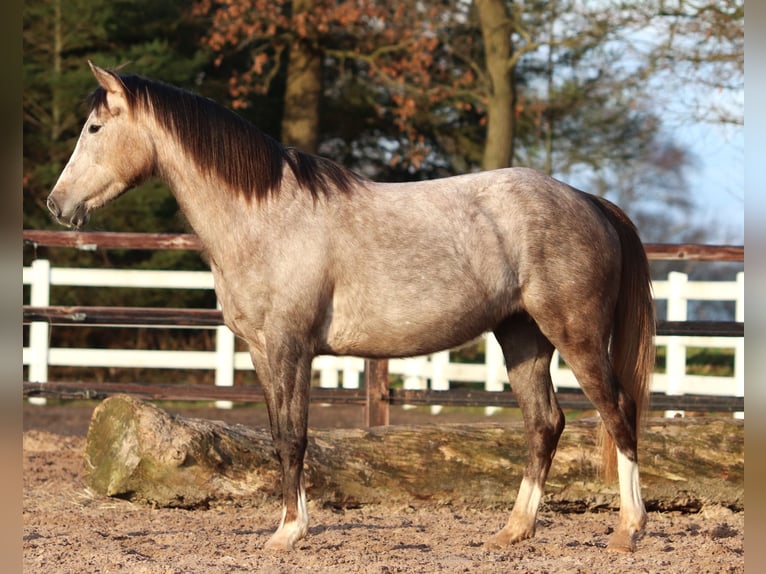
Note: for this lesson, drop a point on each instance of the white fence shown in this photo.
(435, 371)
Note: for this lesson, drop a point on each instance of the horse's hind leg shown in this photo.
(589, 360)
(594, 372)
(528, 356)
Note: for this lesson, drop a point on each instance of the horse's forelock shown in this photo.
(97, 100)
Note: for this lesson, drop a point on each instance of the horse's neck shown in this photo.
(213, 211)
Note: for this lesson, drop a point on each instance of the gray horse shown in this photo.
(310, 258)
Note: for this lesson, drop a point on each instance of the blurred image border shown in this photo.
(755, 286)
(11, 484)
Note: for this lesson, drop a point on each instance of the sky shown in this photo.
(717, 173)
(717, 178)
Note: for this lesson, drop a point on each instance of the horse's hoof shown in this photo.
(494, 543)
(621, 542)
(284, 539)
(505, 538)
(279, 543)
(278, 547)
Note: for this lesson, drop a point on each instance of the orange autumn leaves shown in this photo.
(404, 50)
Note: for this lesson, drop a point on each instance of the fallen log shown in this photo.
(140, 452)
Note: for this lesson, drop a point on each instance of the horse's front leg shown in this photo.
(285, 374)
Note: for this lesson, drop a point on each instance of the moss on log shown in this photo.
(137, 451)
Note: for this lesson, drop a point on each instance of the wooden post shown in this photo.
(376, 385)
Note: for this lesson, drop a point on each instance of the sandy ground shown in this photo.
(68, 529)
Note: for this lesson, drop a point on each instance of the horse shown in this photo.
(311, 258)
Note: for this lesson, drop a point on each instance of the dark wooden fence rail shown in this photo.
(89, 240)
(185, 317)
(377, 395)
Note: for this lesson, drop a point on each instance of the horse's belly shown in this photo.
(398, 330)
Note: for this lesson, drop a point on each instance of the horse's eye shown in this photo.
(93, 128)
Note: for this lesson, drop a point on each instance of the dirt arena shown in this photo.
(68, 529)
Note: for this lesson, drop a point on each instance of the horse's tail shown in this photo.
(632, 344)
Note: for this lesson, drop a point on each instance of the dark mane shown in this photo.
(227, 146)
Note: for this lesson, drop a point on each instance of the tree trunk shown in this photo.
(137, 451)
(303, 91)
(496, 31)
(58, 49)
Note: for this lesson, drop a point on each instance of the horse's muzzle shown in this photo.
(74, 217)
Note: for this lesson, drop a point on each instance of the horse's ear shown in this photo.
(110, 81)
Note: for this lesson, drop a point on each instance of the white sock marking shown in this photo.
(630, 490)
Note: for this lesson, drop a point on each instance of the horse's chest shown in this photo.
(242, 309)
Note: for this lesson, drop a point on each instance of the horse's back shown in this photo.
(501, 224)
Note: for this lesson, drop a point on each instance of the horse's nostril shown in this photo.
(80, 220)
(52, 207)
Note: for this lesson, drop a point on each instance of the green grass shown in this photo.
(702, 361)
(699, 360)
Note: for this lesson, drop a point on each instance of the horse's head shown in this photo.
(112, 155)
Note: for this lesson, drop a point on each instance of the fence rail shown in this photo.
(674, 389)
(186, 317)
(91, 240)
